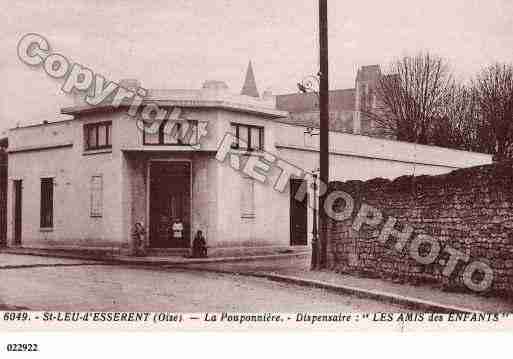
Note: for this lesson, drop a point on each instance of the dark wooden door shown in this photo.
(17, 211)
(298, 216)
(170, 199)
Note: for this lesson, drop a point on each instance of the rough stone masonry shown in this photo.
(468, 211)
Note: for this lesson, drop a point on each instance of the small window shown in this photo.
(254, 135)
(191, 132)
(173, 133)
(92, 138)
(235, 133)
(98, 136)
(102, 136)
(46, 218)
(248, 137)
(243, 137)
(96, 196)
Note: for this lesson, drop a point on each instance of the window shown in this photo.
(98, 135)
(248, 198)
(248, 137)
(46, 203)
(96, 196)
(172, 133)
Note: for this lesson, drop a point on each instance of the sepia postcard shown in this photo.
(235, 165)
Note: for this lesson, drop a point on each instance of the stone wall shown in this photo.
(454, 230)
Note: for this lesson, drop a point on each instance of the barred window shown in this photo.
(46, 217)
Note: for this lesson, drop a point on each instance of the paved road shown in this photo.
(86, 287)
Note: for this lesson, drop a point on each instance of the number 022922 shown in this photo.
(22, 347)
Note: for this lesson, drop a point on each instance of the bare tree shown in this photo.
(494, 91)
(411, 96)
(460, 124)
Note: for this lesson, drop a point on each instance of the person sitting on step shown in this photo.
(199, 246)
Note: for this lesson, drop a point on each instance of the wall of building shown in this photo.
(41, 136)
(135, 184)
(235, 227)
(469, 210)
(57, 151)
(363, 147)
(269, 223)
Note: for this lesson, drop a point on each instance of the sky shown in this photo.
(182, 43)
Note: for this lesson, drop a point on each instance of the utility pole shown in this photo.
(308, 85)
(324, 126)
(315, 233)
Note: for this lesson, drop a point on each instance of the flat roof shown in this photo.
(204, 98)
(229, 106)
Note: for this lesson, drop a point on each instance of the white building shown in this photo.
(85, 182)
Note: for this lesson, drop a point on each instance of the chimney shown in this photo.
(268, 96)
(215, 85)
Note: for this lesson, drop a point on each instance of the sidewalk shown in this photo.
(15, 261)
(109, 258)
(427, 298)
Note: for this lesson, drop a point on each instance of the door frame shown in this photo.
(306, 202)
(17, 239)
(148, 193)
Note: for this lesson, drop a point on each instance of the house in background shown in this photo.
(85, 182)
(347, 106)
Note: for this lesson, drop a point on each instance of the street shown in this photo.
(46, 284)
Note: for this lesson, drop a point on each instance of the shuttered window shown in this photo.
(96, 196)
(248, 198)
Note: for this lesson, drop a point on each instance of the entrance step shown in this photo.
(167, 252)
(216, 252)
(254, 251)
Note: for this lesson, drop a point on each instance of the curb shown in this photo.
(158, 262)
(52, 255)
(205, 261)
(410, 302)
(415, 303)
(49, 265)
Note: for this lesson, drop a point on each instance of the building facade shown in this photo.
(86, 182)
(349, 108)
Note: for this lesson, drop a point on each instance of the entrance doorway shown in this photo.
(298, 216)
(17, 189)
(170, 203)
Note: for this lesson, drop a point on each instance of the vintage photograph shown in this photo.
(296, 163)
